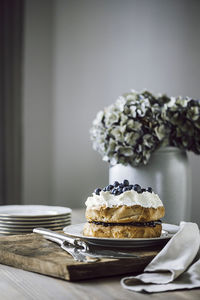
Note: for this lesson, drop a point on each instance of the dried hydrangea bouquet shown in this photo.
(144, 137)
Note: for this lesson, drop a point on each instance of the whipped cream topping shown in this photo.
(128, 198)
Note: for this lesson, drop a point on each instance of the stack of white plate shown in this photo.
(21, 219)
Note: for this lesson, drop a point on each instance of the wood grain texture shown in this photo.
(32, 252)
(22, 285)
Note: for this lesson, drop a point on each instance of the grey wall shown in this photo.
(37, 115)
(102, 49)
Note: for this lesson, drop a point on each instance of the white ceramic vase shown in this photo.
(168, 173)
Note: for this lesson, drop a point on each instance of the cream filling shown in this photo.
(128, 198)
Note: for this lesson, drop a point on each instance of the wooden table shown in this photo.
(19, 284)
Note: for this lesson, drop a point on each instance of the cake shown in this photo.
(124, 210)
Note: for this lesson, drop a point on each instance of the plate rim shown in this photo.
(16, 232)
(29, 222)
(117, 240)
(67, 210)
(49, 225)
(33, 219)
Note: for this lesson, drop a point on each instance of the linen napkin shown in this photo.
(177, 265)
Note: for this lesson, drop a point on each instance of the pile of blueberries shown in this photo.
(118, 188)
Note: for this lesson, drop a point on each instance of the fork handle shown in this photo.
(70, 240)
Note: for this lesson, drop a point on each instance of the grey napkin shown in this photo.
(176, 266)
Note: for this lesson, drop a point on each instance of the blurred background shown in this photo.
(69, 59)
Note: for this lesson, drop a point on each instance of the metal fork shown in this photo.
(73, 251)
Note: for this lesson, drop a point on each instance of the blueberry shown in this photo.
(125, 182)
(138, 190)
(137, 185)
(130, 187)
(109, 187)
(115, 192)
(120, 191)
(116, 183)
(121, 185)
(104, 189)
(143, 190)
(126, 188)
(97, 191)
(149, 189)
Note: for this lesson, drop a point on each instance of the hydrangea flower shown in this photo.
(184, 120)
(137, 124)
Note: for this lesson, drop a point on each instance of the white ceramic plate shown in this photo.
(77, 231)
(34, 221)
(46, 225)
(32, 211)
(8, 232)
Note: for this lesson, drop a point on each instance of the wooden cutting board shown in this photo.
(33, 253)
